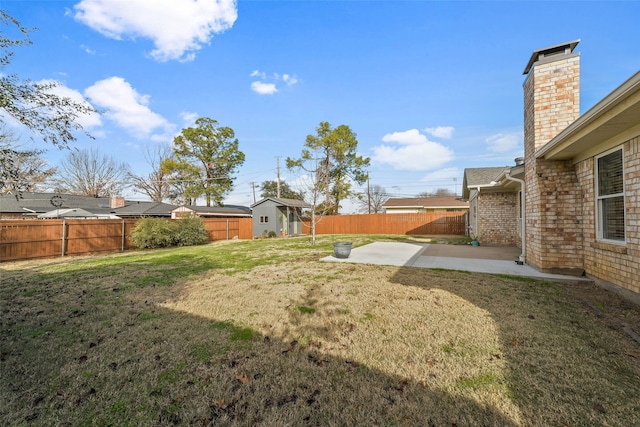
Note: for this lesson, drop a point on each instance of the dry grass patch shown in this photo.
(261, 333)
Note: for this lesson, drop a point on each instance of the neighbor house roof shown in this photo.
(74, 213)
(292, 203)
(138, 209)
(426, 202)
(36, 203)
(39, 203)
(228, 210)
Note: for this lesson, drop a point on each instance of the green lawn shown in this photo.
(262, 333)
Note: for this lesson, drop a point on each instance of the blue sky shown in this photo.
(429, 87)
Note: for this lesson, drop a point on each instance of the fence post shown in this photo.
(122, 248)
(227, 229)
(64, 234)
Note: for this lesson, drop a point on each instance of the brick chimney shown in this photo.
(551, 103)
(116, 202)
(551, 94)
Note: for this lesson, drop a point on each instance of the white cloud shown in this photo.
(87, 121)
(443, 175)
(264, 88)
(501, 143)
(127, 108)
(290, 80)
(87, 49)
(416, 152)
(445, 132)
(189, 118)
(267, 85)
(178, 28)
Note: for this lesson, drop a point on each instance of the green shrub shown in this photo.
(153, 233)
(272, 234)
(191, 231)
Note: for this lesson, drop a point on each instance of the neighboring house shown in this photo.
(580, 181)
(425, 204)
(228, 211)
(144, 209)
(31, 205)
(34, 205)
(281, 216)
(74, 213)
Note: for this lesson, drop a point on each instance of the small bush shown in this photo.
(150, 233)
(272, 234)
(191, 231)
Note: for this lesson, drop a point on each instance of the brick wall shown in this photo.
(553, 194)
(498, 223)
(617, 264)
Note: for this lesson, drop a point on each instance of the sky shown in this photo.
(429, 87)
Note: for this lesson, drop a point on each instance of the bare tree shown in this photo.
(440, 192)
(35, 105)
(21, 169)
(89, 173)
(314, 186)
(156, 184)
(374, 201)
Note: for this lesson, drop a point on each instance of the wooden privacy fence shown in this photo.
(26, 239)
(444, 223)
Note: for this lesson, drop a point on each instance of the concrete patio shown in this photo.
(481, 259)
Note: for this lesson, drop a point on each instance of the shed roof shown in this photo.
(292, 203)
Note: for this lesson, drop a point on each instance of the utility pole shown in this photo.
(368, 194)
(278, 180)
(253, 187)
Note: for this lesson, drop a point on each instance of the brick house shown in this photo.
(574, 201)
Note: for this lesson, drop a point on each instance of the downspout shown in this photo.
(477, 214)
(522, 259)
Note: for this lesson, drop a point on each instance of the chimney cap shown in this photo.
(565, 48)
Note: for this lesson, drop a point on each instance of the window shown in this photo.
(610, 196)
(264, 219)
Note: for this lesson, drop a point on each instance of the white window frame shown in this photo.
(599, 199)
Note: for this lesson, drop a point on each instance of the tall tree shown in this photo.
(205, 158)
(156, 184)
(270, 189)
(89, 173)
(339, 163)
(35, 105)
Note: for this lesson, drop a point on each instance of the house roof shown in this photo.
(426, 202)
(45, 202)
(74, 213)
(136, 208)
(228, 210)
(38, 203)
(478, 177)
(617, 114)
(292, 203)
